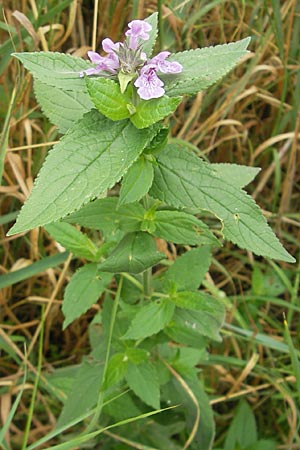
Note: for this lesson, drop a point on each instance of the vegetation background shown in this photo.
(251, 117)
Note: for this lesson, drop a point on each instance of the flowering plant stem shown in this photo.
(95, 419)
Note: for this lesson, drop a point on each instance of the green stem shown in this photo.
(99, 406)
(147, 277)
(36, 382)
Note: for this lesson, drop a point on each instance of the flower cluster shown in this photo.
(128, 60)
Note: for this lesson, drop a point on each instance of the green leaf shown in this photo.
(63, 108)
(188, 271)
(150, 319)
(236, 174)
(73, 240)
(84, 392)
(205, 432)
(56, 69)
(143, 380)
(263, 444)
(182, 228)
(135, 253)
(116, 370)
(183, 180)
(242, 430)
(108, 99)
(203, 67)
(151, 111)
(206, 320)
(137, 181)
(83, 290)
(104, 214)
(89, 159)
(147, 46)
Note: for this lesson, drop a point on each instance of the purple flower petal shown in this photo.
(95, 58)
(139, 29)
(165, 66)
(148, 84)
(109, 46)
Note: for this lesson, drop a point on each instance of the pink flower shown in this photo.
(165, 66)
(139, 29)
(128, 61)
(109, 63)
(148, 84)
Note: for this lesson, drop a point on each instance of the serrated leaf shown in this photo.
(188, 271)
(107, 98)
(143, 380)
(205, 432)
(89, 159)
(203, 67)
(84, 392)
(63, 108)
(183, 180)
(242, 430)
(154, 110)
(104, 214)
(56, 69)
(116, 369)
(136, 182)
(203, 315)
(135, 253)
(236, 174)
(182, 228)
(150, 319)
(73, 240)
(148, 45)
(83, 290)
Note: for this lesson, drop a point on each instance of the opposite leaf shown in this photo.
(63, 108)
(203, 67)
(143, 380)
(73, 240)
(188, 271)
(154, 110)
(105, 215)
(150, 319)
(55, 69)
(84, 289)
(137, 181)
(89, 159)
(134, 254)
(182, 228)
(108, 99)
(183, 180)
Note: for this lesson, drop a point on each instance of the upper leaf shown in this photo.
(89, 159)
(236, 174)
(182, 228)
(56, 69)
(203, 67)
(183, 180)
(151, 111)
(148, 45)
(63, 108)
(108, 99)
